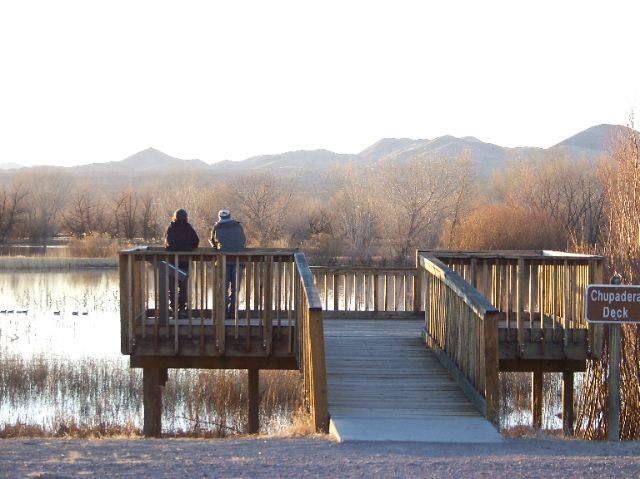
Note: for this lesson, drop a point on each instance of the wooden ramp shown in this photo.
(383, 384)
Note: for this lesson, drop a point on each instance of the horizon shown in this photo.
(17, 165)
(94, 82)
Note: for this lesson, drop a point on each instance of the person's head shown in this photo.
(180, 216)
(224, 215)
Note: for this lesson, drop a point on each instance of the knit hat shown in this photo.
(180, 215)
(224, 215)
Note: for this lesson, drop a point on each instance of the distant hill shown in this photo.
(592, 142)
(306, 165)
(10, 166)
(293, 160)
(386, 146)
(486, 157)
(146, 162)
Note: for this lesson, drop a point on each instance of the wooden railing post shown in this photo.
(267, 327)
(417, 286)
(124, 305)
(520, 279)
(318, 372)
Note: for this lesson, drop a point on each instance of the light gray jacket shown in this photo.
(228, 236)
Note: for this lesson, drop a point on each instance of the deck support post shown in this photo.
(492, 355)
(536, 398)
(253, 376)
(567, 403)
(152, 379)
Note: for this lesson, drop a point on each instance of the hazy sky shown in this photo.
(87, 81)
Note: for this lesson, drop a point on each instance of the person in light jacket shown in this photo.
(227, 235)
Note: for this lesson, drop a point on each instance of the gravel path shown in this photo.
(313, 457)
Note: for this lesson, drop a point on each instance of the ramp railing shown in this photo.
(540, 294)
(461, 327)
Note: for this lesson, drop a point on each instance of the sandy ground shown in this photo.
(313, 457)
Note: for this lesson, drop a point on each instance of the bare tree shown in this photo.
(125, 211)
(194, 193)
(148, 217)
(85, 212)
(11, 209)
(354, 212)
(48, 191)
(415, 198)
(263, 201)
(569, 191)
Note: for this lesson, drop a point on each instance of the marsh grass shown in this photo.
(46, 397)
(94, 246)
(515, 404)
(205, 403)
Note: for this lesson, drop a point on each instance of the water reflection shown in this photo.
(61, 367)
(69, 314)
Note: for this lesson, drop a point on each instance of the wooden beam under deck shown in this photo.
(206, 346)
(209, 362)
(373, 315)
(545, 366)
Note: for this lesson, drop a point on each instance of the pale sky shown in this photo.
(94, 81)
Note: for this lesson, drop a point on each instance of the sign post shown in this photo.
(614, 382)
(613, 304)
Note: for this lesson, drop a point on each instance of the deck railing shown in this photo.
(540, 294)
(311, 337)
(461, 327)
(382, 291)
(264, 303)
(277, 312)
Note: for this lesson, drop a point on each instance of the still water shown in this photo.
(67, 314)
(61, 366)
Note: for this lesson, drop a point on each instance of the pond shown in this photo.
(61, 367)
(68, 314)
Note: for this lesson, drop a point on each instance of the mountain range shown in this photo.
(487, 157)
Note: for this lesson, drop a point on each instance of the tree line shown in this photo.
(355, 214)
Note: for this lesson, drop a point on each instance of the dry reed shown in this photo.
(42, 396)
(94, 246)
(515, 403)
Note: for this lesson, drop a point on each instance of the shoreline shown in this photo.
(43, 263)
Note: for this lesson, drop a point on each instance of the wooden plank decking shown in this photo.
(383, 383)
(382, 368)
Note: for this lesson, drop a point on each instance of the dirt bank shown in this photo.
(314, 457)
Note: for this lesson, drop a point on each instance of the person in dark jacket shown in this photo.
(180, 236)
(227, 235)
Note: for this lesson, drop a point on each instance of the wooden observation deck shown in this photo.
(276, 324)
(481, 313)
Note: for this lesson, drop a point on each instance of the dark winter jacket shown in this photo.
(228, 236)
(180, 236)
